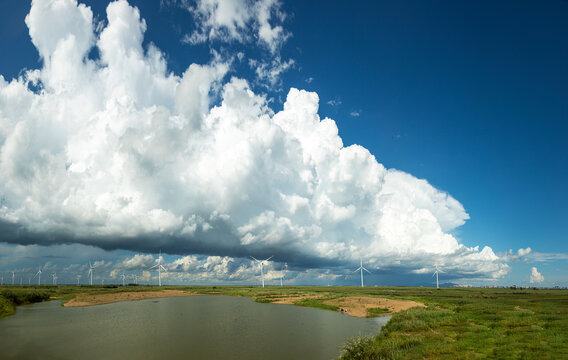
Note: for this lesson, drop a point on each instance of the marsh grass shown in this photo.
(456, 324)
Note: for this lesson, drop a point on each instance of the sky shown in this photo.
(406, 135)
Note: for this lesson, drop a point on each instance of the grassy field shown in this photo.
(456, 324)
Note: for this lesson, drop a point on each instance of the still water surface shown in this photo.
(194, 327)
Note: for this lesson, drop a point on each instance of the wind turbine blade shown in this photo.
(255, 259)
(269, 258)
(359, 268)
(366, 270)
(163, 268)
(154, 266)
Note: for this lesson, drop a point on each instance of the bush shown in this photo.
(359, 348)
(19, 297)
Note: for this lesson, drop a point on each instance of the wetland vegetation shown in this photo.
(457, 323)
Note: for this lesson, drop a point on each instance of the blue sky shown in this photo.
(469, 96)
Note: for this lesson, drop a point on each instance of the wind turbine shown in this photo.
(362, 268)
(13, 274)
(78, 278)
(54, 276)
(260, 263)
(38, 274)
(123, 277)
(282, 272)
(91, 268)
(160, 268)
(436, 273)
(136, 279)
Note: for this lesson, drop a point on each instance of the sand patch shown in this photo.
(99, 299)
(359, 306)
(291, 299)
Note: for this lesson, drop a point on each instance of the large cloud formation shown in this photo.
(117, 152)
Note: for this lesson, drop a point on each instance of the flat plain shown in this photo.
(456, 323)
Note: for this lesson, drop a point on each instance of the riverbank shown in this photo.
(356, 306)
(87, 299)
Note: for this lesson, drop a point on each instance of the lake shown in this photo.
(193, 327)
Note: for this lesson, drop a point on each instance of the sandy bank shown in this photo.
(359, 306)
(99, 299)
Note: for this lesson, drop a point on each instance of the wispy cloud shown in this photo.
(334, 102)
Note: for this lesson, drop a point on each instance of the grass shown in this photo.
(456, 324)
(377, 311)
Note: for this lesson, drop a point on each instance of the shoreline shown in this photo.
(86, 299)
(355, 306)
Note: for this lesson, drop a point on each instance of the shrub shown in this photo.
(359, 348)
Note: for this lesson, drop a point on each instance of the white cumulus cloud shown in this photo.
(536, 277)
(119, 153)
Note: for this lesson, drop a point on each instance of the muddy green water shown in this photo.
(194, 327)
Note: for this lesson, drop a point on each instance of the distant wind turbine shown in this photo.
(13, 274)
(282, 272)
(78, 278)
(123, 277)
(136, 279)
(91, 268)
(436, 273)
(261, 263)
(160, 268)
(362, 268)
(38, 274)
(54, 276)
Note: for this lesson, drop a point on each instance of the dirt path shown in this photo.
(359, 306)
(98, 299)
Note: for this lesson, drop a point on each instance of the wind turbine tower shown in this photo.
(13, 274)
(282, 272)
(160, 268)
(362, 268)
(261, 263)
(123, 277)
(91, 268)
(436, 273)
(54, 276)
(78, 278)
(38, 274)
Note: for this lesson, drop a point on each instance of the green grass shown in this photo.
(456, 324)
(377, 311)
(472, 324)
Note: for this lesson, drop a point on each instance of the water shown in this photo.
(194, 327)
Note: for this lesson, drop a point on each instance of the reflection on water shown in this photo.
(195, 327)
